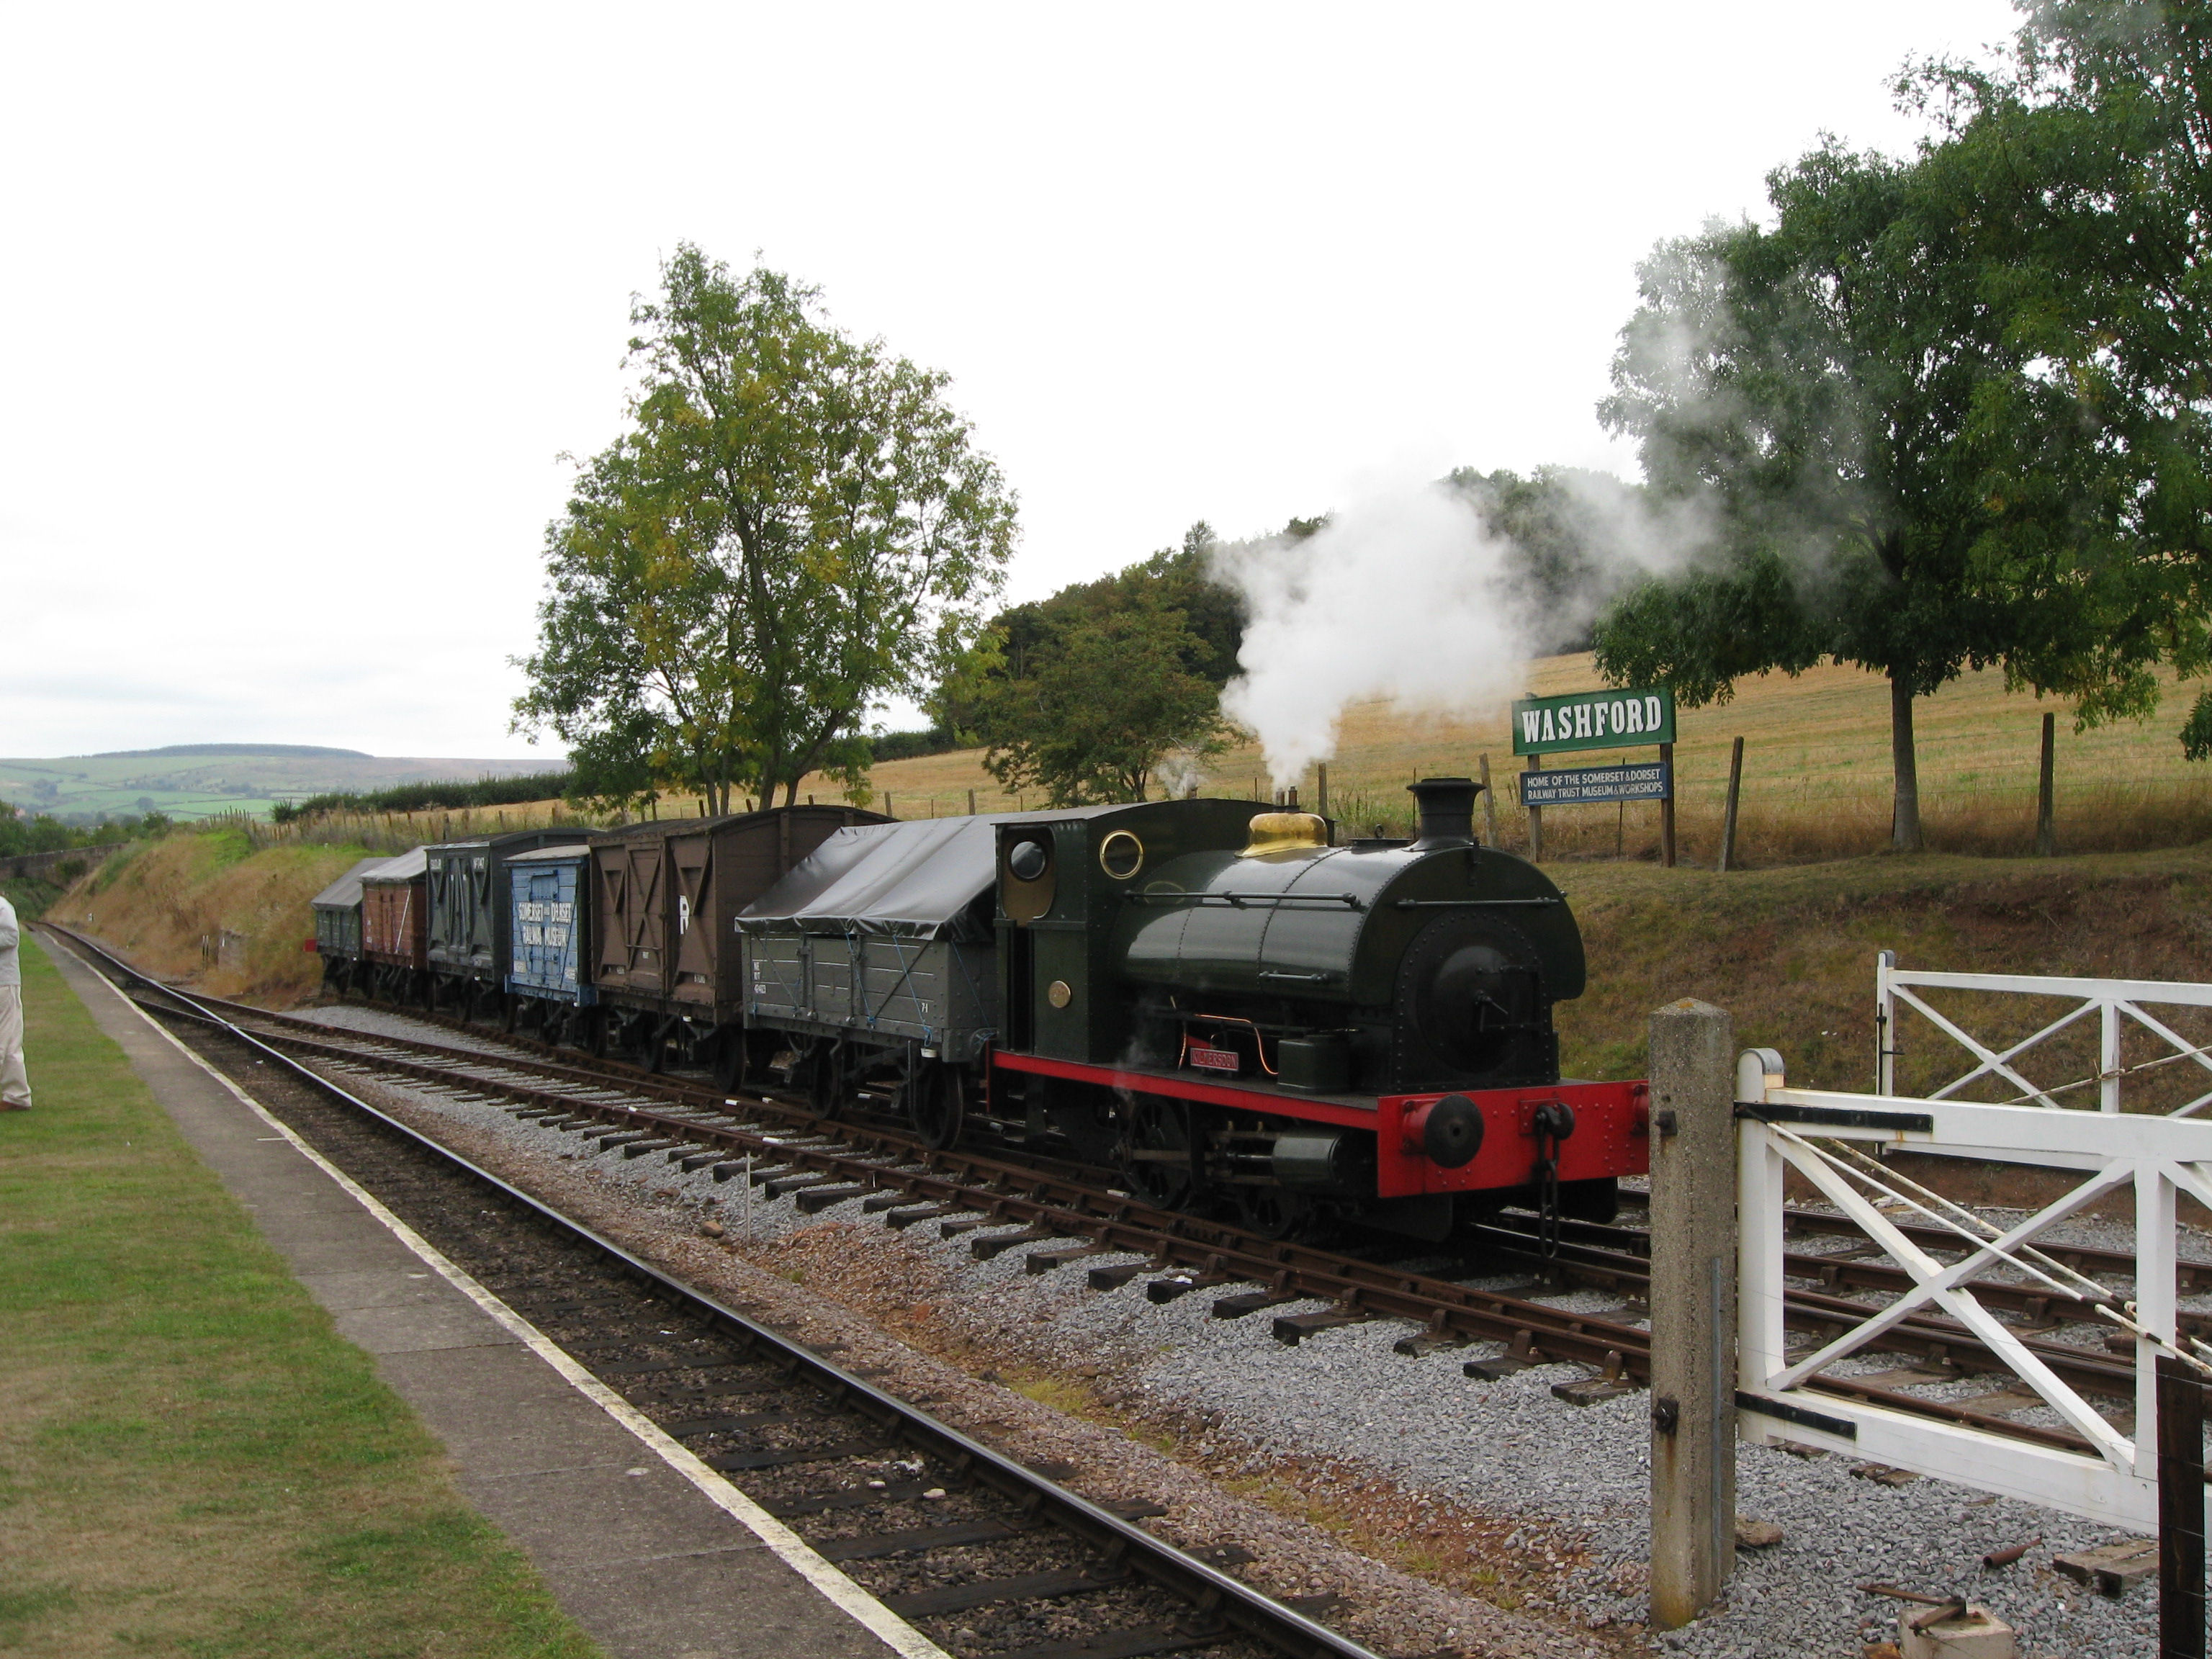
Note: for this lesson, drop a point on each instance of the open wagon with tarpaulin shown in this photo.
(873, 964)
(662, 898)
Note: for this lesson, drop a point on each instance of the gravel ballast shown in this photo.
(1538, 1505)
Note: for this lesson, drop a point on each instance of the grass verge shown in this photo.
(191, 1461)
(1789, 952)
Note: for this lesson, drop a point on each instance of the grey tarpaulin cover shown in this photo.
(345, 892)
(916, 878)
(406, 867)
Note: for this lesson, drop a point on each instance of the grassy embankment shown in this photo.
(1816, 772)
(191, 1461)
(203, 905)
(1790, 953)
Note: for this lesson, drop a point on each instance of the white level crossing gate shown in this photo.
(2077, 1459)
(2120, 1007)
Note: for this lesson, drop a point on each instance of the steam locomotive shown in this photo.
(1221, 1001)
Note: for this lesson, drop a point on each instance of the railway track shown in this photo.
(1061, 1215)
(972, 1548)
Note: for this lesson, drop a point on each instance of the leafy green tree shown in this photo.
(1178, 579)
(1097, 708)
(624, 763)
(2094, 147)
(1911, 468)
(794, 526)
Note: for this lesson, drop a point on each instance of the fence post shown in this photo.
(1693, 1319)
(2180, 1511)
(1536, 818)
(1489, 805)
(1735, 790)
(2046, 832)
(1667, 809)
(971, 803)
(1884, 1024)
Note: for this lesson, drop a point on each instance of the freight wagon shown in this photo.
(470, 915)
(549, 985)
(663, 900)
(395, 928)
(337, 910)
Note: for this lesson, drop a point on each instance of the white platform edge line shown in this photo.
(789, 1547)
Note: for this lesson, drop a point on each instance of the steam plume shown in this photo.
(1412, 596)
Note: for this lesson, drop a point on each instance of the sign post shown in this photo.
(1597, 720)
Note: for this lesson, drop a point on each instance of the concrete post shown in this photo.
(1693, 1320)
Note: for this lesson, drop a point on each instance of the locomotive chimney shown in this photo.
(1446, 809)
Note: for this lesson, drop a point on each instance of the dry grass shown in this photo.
(204, 906)
(1790, 951)
(397, 832)
(1816, 773)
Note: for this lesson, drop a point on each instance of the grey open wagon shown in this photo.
(870, 967)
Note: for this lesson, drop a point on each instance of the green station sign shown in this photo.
(1593, 719)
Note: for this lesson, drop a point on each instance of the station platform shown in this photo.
(652, 1561)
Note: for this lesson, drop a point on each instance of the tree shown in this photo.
(1559, 531)
(1178, 579)
(2098, 138)
(1099, 706)
(1912, 470)
(795, 525)
(623, 764)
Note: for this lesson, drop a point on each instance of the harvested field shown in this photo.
(1816, 772)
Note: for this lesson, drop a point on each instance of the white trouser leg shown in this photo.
(14, 1081)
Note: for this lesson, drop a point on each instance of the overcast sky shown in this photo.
(301, 304)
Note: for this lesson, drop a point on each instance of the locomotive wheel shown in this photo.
(936, 1102)
(1156, 1155)
(1274, 1211)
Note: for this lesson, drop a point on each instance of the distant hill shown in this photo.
(284, 751)
(195, 779)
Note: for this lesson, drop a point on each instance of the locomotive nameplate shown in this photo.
(1212, 1060)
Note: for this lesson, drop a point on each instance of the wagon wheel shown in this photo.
(1156, 1153)
(936, 1102)
(730, 1062)
(829, 1086)
(1274, 1211)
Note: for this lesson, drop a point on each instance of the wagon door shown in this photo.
(632, 935)
(691, 873)
(479, 934)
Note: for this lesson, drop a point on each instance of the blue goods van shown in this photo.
(550, 893)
